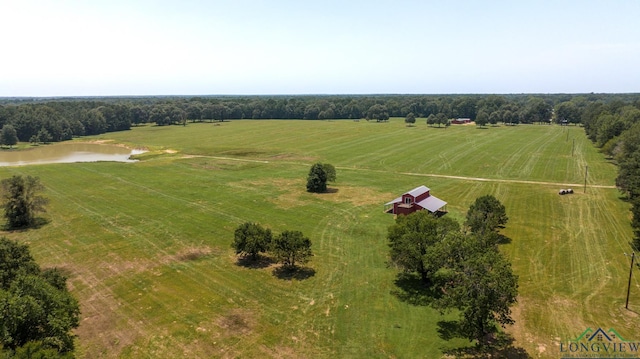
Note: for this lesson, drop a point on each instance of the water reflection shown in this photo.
(67, 153)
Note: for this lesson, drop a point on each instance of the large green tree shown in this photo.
(412, 241)
(21, 200)
(8, 136)
(36, 306)
(317, 179)
(567, 112)
(291, 248)
(378, 112)
(479, 282)
(251, 239)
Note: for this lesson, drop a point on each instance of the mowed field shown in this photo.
(146, 245)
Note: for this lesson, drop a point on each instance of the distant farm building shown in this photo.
(460, 121)
(417, 199)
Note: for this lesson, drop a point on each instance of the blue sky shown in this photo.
(197, 47)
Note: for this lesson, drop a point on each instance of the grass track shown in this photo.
(146, 245)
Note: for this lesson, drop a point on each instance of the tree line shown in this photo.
(614, 127)
(53, 120)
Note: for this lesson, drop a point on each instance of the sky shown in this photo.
(267, 47)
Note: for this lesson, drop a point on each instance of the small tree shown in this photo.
(251, 239)
(44, 136)
(441, 119)
(21, 200)
(431, 120)
(291, 247)
(317, 179)
(486, 215)
(410, 119)
(330, 171)
(482, 118)
(9, 136)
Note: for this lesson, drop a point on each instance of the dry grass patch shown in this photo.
(293, 192)
(357, 196)
(116, 267)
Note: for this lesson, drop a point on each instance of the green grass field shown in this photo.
(147, 245)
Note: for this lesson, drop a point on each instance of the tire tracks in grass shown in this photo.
(100, 294)
(174, 198)
(100, 300)
(435, 175)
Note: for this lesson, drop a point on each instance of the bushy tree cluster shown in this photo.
(38, 312)
(439, 119)
(465, 265)
(289, 247)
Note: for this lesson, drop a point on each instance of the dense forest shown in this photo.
(611, 121)
(59, 119)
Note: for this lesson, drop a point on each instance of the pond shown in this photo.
(67, 153)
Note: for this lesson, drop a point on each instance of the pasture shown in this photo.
(147, 245)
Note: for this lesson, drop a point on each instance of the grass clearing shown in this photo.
(147, 245)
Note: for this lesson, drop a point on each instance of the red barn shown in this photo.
(460, 121)
(417, 199)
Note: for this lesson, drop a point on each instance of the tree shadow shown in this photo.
(449, 329)
(411, 289)
(499, 347)
(38, 222)
(293, 272)
(502, 239)
(258, 263)
(331, 190)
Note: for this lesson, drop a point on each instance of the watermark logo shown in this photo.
(600, 344)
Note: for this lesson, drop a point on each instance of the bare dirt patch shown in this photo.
(101, 327)
(238, 322)
(190, 254)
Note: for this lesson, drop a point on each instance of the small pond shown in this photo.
(67, 153)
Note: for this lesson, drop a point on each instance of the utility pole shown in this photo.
(633, 256)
